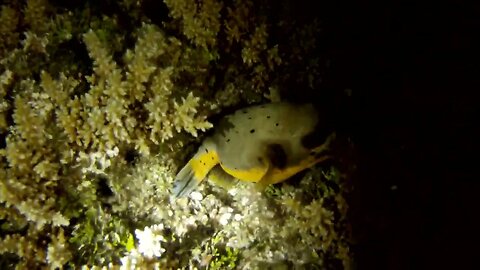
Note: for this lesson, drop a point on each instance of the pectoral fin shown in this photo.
(220, 178)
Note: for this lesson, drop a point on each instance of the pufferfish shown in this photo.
(262, 144)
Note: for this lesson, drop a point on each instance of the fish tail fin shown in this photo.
(194, 172)
(185, 182)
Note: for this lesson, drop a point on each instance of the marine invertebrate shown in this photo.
(99, 105)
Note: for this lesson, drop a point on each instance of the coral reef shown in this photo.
(100, 103)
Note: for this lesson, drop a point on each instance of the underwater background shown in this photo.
(102, 102)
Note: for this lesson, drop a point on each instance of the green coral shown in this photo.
(100, 238)
(222, 257)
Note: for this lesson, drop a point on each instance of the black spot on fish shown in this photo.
(228, 140)
(276, 124)
(277, 156)
(213, 158)
(244, 111)
(206, 150)
(249, 118)
(252, 131)
(268, 116)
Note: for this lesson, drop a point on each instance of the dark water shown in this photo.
(413, 116)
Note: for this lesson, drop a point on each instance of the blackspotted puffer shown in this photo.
(263, 144)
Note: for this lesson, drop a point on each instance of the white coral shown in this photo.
(150, 241)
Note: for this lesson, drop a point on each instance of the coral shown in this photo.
(289, 226)
(58, 253)
(113, 94)
(101, 103)
(8, 34)
(5, 81)
(200, 19)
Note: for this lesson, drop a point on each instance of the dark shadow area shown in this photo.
(413, 117)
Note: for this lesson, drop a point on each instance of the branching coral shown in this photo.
(281, 230)
(116, 98)
(200, 19)
(33, 160)
(55, 129)
(97, 111)
(5, 81)
(58, 253)
(289, 226)
(8, 33)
